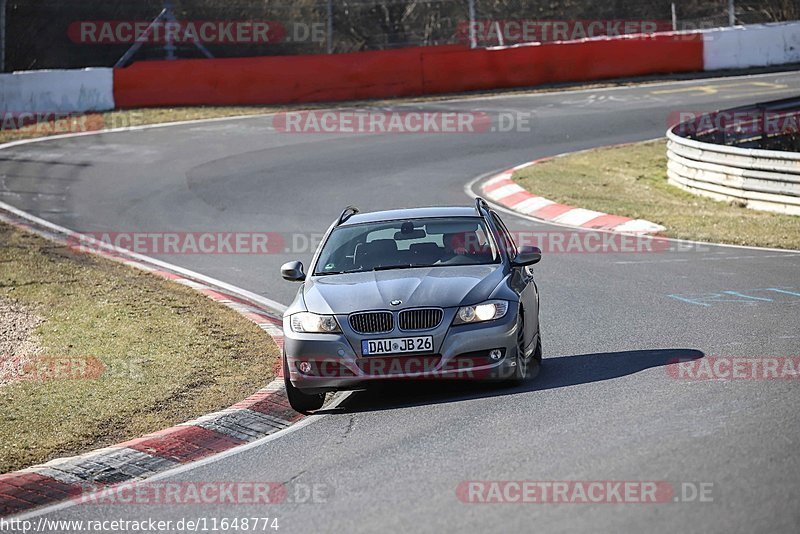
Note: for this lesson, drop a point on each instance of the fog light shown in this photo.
(304, 367)
(496, 354)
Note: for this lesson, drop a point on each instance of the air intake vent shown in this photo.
(422, 319)
(372, 322)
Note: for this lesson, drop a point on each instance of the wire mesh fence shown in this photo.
(80, 33)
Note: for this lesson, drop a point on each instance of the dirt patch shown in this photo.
(18, 344)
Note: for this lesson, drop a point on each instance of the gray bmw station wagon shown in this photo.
(423, 293)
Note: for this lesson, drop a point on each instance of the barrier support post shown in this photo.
(329, 29)
(473, 42)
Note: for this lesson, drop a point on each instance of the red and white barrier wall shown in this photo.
(396, 73)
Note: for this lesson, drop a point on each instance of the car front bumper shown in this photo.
(460, 353)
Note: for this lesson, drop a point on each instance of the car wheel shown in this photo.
(522, 371)
(299, 401)
(536, 359)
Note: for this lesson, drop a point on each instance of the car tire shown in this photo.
(535, 365)
(299, 401)
(525, 366)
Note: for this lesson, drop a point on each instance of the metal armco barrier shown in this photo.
(761, 179)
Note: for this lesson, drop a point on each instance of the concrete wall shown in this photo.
(57, 91)
(758, 45)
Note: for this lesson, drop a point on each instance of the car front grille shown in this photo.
(422, 319)
(372, 322)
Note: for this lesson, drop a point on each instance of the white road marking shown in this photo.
(788, 254)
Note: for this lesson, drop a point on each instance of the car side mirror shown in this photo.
(293, 271)
(527, 256)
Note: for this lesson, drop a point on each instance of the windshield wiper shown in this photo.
(405, 266)
(379, 268)
(327, 273)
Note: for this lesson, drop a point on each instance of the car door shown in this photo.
(523, 283)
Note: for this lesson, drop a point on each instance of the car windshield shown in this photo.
(404, 244)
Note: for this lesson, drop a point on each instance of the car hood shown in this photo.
(427, 286)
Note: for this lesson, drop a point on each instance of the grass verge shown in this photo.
(167, 353)
(631, 180)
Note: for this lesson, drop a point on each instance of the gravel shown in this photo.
(18, 344)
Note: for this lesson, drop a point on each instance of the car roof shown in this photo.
(412, 213)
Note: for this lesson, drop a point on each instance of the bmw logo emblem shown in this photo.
(396, 302)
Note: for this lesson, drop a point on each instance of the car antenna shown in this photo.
(348, 212)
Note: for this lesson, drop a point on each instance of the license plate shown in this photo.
(374, 347)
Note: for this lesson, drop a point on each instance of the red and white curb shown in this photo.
(263, 413)
(502, 189)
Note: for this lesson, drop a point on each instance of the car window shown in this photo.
(407, 243)
(388, 233)
(511, 247)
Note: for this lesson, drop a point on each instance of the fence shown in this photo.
(747, 155)
(43, 34)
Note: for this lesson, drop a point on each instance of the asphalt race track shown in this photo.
(603, 408)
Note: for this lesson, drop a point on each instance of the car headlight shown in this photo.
(311, 322)
(485, 311)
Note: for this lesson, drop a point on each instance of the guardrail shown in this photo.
(713, 155)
